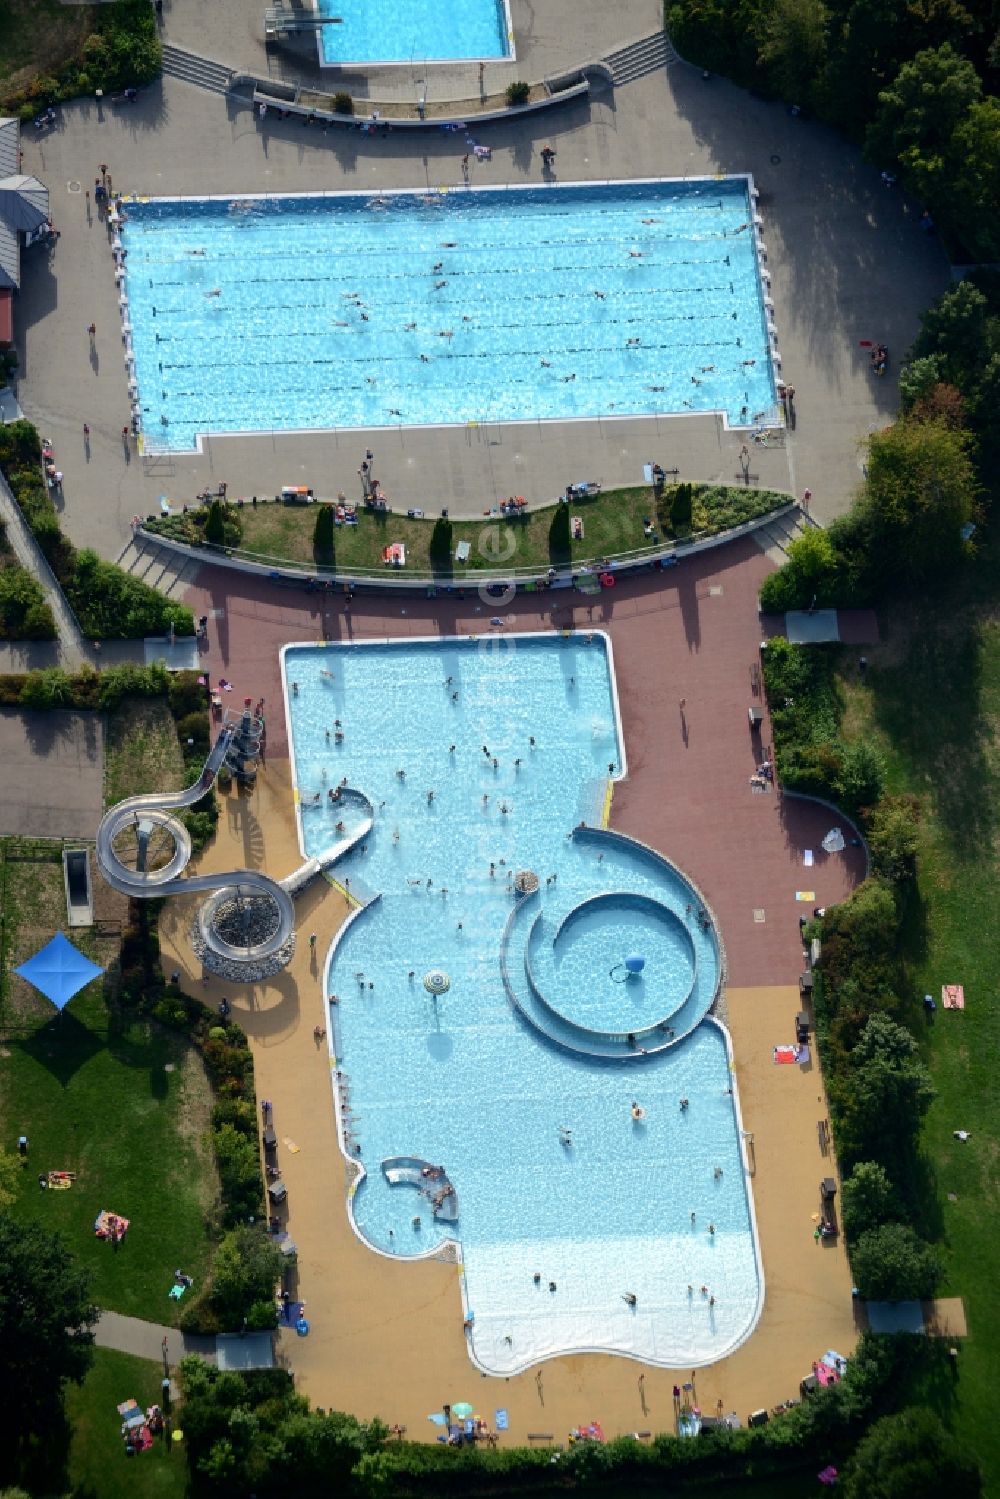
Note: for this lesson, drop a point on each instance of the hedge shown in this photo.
(109, 603)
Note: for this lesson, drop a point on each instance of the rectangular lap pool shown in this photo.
(383, 31)
(508, 305)
(501, 1074)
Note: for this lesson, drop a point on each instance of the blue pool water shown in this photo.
(347, 311)
(372, 31)
(464, 1082)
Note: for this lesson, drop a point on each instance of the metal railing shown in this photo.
(282, 568)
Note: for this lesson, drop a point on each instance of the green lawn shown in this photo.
(98, 1467)
(141, 750)
(932, 697)
(123, 1103)
(612, 523)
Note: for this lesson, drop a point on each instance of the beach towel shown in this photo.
(502, 1419)
(807, 858)
(783, 1055)
(176, 1292)
(110, 1225)
(806, 895)
(438, 1417)
(953, 996)
(291, 1144)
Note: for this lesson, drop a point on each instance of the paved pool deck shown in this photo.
(847, 258)
(386, 1338)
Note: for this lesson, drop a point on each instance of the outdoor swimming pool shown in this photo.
(376, 31)
(484, 1079)
(350, 311)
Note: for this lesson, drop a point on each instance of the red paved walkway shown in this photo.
(690, 634)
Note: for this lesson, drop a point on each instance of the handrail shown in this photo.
(266, 565)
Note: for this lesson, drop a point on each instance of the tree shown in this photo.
(323, 534)
(247, 1266)
(918, 116)
(440, 548)
(958, 332)
(681, 505)
(910, 1455)
(888, 1092)
(892, 1264)
(46, 1321)
(215, 524)
(10, 1176)
(921, 490)
(559, 544)
(868, 1200)
(793, 45)
(976, 185)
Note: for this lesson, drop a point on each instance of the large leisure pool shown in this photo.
(345, 310)
(377, 31)
(544, 1083)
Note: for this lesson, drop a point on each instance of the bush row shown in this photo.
(879, 1089)
(24, 612)
(252, 1431)
(121, 51)
(109, 603)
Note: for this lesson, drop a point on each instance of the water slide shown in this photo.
(143, 814)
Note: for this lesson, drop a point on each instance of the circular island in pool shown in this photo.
(618, 962)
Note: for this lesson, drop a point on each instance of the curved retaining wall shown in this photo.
(393, 582)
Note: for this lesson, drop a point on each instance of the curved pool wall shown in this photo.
(461, 1081)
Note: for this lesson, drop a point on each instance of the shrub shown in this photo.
(862, 775)
(323, 533)
(518, 92)
(440, 546)
(24, 613)
(812, 576)
(343, 103)
(193, 732)
(247, 1265)
(892, 1264)
(48, 687)
(112, 605)
(239, 1173)
(893, 837)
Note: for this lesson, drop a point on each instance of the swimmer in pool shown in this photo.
(409, 327)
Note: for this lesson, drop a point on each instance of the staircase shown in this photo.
(773, 537)
(191, 68)
(639, 58)
(158, 567)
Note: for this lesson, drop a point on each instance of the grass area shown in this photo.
(141, 750)
(121, 1102)
(612, 525)
(98, 1467)
(36, 36)
(932, 700)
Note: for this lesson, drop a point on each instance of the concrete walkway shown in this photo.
(145, 1339)
(847, 258)
(69, 649)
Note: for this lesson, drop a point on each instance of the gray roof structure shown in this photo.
(24, 204)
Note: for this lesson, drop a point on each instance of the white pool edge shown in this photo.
(451, 1247)
(200, 438)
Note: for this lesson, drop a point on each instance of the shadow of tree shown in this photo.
(930, 706)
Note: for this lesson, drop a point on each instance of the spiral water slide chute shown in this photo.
(157, 871)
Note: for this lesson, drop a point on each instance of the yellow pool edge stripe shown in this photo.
(609, 793)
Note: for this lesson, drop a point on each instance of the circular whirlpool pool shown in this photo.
(578, 970)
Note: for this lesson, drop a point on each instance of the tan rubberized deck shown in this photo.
(387, 1337)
